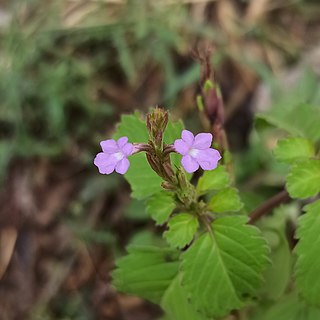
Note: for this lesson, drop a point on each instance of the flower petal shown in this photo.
(123, 166)
(122, 141)
(127, 149)
(189, 164)
(188, 137)
(109, 146)
(202, 141)
(208, 159)
(181, 146)
(105, 163)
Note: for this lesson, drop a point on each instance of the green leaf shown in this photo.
(147, 238)
(297, 110)
(213, 180)
(222, 269)
(182, 228)
(307, 268)
(304, 179)
(133, 127)
(288, 308)
(177, 305)
(143, 180)
(172, 133)
(294, 149)
(278, 273)
(160, 206)
(300, 120)
(146, 271)
(225, 200)
(136, 210)
(277, 276)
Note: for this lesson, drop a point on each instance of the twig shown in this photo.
(271, 203)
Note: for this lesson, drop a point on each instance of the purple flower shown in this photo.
(196, 151)
(114, 156)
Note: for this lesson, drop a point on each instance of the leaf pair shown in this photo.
(219, 272)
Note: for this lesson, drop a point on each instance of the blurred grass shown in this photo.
(61, 59)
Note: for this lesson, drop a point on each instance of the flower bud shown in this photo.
(214, 104)
(156, 123)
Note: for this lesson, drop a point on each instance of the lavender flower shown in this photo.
(196, 151)
(114, 156)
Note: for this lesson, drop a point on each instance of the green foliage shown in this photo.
(177, 305)
(143, 180)
(160, 206)
(304, 179)
(182, 228)
(146, 271)
(278, 273)
(223, 268)
(297, 111)
(300, 120)
(294, 149)
(226, 200)
(288, 308)
(213, 180)
(133, 127)
(136, 210)
(308, 251)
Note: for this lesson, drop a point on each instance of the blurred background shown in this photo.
(68, 70)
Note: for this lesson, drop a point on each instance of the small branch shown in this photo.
(267, 206)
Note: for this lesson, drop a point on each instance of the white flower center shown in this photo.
(119, 155)
(193, 152)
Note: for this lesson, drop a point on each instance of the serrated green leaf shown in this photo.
(303, 180)
(225, 200)
(294, 149)
(213, 180)
(307, 268)
(224, 268)
(182, 228)
(146, 271)
(160, 206)
(177, 305)
(143, 180)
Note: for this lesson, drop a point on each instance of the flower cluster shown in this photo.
(196, 152)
